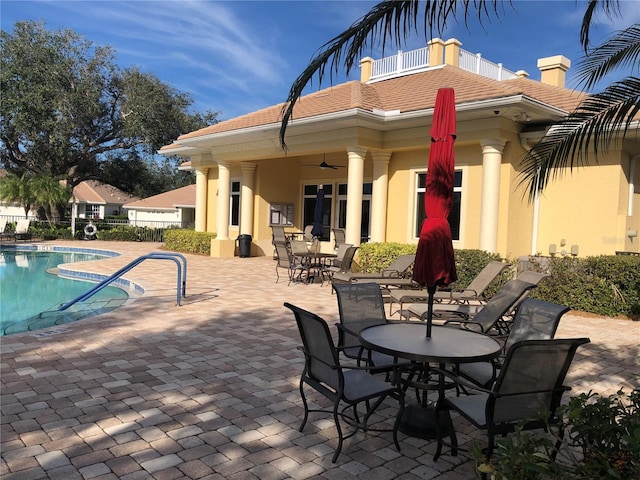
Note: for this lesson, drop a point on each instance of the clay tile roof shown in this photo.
(180, 197)
(92, 191)
(406, 93)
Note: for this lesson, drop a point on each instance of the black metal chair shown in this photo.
(490, 316)
(534, 320)
(361, 305)
(286, 260)
(344, 266)
(527, 392)
(339, 237)
(346, 386)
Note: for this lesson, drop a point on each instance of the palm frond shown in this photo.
(387, 20)
(620, 51)
(611, 9)
(598, 120)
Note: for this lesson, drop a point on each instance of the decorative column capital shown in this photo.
(357, 150)
(493, 145)
(248, 167)
(381, 156)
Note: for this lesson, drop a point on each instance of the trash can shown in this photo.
(244, 245)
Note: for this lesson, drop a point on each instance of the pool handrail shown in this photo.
(181, 287)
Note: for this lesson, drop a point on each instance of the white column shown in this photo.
(223, 203)
(379, 196)
(201, 199)
(246, 199)
(490, 202)
(355, 179)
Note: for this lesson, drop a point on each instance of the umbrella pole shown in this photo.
(431, 292)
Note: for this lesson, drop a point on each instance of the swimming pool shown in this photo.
(31, 296)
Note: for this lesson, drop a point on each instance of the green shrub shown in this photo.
(469, 262)
(47, 231)
(604, 285)
(188, 241)
(602, 441)
(375, 257)
(123, 233)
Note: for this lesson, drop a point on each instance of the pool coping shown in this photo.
(127, 285)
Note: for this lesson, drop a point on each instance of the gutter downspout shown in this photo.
(632, 174)
(536, 204)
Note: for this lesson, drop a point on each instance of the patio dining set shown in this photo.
(303, 259)
(494, 362)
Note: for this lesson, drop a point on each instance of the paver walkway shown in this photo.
(210, 389)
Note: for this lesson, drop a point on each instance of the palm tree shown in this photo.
(14, 189)
(34, 191)
(49, 195)
(598, 120)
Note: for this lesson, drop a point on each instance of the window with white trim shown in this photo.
(234, 211)
(92, 210)
(309, 205)
(454, 215)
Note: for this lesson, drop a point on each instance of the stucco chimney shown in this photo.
(553, 70)
(366, 69)
(452, 52)
(436, 52)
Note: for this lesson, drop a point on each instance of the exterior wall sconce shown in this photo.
(632, 233)
(553, 249)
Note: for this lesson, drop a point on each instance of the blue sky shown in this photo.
(240, 56)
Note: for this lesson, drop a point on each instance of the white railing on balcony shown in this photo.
(473, 62)
(401, 63)
(418, 60)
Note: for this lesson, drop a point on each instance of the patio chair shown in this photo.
(360, 306)
(534, 320)
(473, 292)
(339, 237)
(345, 264)
(399, 268)
(3, 227)
(527, 392)
(349, 387)
(278, 236)
(287, 261)
(22, 230)
(489, 317)
(342, 249)
(308, 236)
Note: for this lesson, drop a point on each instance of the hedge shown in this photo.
(606, 285)
(188, 241)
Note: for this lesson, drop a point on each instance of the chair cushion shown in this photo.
(361, 385)
(478, 372)
(472, 407)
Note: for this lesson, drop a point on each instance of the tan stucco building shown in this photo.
(375, 132)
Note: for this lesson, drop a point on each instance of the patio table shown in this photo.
(446, 345)
(314, 261)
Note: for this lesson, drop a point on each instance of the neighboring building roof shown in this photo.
(180, 197)
(92, 191)
(405, 94)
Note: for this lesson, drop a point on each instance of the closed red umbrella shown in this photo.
(435, 262)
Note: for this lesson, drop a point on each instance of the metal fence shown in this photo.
(116, 229)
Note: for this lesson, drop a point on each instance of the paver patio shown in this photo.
(210, 389)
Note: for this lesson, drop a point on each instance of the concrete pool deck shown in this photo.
(210, 389)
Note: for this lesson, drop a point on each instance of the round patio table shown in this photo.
(408, 340)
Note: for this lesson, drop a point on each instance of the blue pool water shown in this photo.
(30, 296)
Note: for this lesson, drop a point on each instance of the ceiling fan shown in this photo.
(325, 165)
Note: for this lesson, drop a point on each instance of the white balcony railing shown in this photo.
(418, 60)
